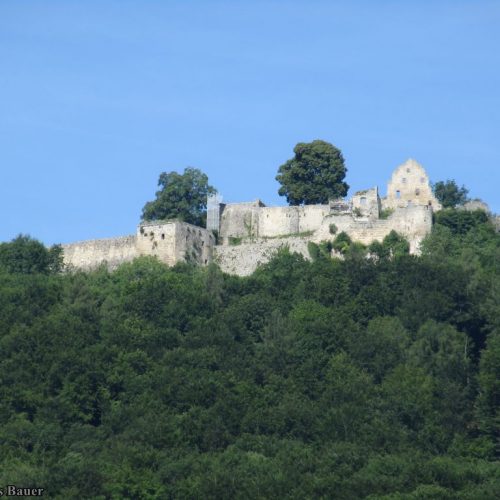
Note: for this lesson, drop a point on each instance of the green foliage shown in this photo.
(386, 213)
(26, 255)
(449, 194)
(342, 242)
(323, 250)
(181, 196)
(333, 229)
(393, 245)
(234, 241)
(314, 175)
(461, 221)
(336, 378)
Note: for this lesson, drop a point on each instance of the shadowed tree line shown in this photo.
(357, 378)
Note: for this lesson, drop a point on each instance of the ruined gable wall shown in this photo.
(409, 185)
(90, 254)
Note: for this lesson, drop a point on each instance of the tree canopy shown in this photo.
(29, 256)
(181, 196)
(449, 194)
(314, 175)
(352, 378)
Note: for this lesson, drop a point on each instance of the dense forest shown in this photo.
(364, 377)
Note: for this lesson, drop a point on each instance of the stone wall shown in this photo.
(158, 240)
(90, 254)
(367, 203)
(170, 242)
(409, 185)
(243, 259)
(239, 220)
(175, 241)
(250, 233)
(412, 222)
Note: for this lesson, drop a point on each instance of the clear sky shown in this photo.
(98, 97)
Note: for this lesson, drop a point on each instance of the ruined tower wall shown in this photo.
(175, 241)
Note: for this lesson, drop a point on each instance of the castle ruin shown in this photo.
(249, 234)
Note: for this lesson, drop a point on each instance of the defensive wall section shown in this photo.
(245, 252)
(170, 242)
(248, 234)
(90, 254)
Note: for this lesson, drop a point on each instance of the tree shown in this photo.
(26, 255)
(182, 197)
(449, 194)
(315, 175)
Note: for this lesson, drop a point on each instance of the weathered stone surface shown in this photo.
(90, 254)
(409, 185)
(170, 242)
(250, 233)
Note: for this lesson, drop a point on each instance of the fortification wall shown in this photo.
(175, 241)
(243, 259)
(158, 240)
(90, 254)
(239, 221)
(277, 221)
(311, 217)
(412, 222)
(254, 221)
(193, 244)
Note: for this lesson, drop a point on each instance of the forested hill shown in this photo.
(339, 379)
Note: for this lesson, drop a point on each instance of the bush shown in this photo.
(342, 242)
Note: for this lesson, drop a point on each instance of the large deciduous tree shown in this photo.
(181, 196)
(449, 194)
(25, 255)
(314, 175)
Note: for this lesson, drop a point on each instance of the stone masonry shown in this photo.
(249, 234)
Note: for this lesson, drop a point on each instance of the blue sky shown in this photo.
(98, 97)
